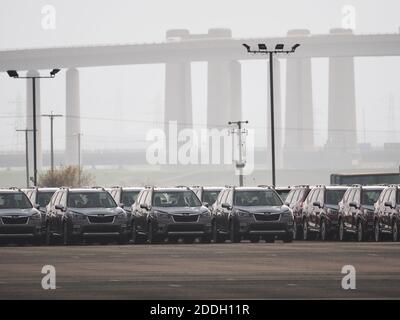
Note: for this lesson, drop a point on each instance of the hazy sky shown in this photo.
(128, 98)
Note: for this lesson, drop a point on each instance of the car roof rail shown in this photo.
(148, 186)
(14, 188)
(265, 186)
(182, 187)
(115, 187)
(98, 187)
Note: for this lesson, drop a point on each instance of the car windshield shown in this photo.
(43, 198)
(176, 199)
(333, 197)
(257, 198)
(369, 197)
(91, 200)
(283, 194)
(15, 200)
(129, 197)
(210, 196)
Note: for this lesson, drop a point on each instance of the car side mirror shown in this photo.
(60, 207)
(37, 206)
(226, 206)
(121, 205)
(287, 204)
(353, 204)
(389, 204)
(206, 204)
(317, 204)
(145, 206)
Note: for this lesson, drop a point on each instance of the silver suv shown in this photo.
(77, 214)
(18, 217)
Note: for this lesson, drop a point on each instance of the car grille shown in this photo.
(17, 230)
(101, 228)
(17, 220)
(182, 228)
(267, 217)
(101, 219)
(186, 218)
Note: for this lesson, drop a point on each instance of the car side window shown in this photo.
(54, 198)
(357, 196)
(148, 198)
(398, 196)
(310, 196)
(392, 196)
(290, 196)
(221, 196)
(229, 197)
(63, 198)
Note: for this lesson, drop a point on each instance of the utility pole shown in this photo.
(240, 163)
(279, 49)
(26, 153)
(51, 116)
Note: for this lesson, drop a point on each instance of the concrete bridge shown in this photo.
(223, 54)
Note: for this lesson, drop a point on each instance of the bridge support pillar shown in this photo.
(72, 116)
(342, 126)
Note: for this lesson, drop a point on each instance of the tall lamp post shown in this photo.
(279, 49)
(26, 153)
(51, 116)
(14, 74)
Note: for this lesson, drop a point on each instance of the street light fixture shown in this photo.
(279, 49)
(14, 74)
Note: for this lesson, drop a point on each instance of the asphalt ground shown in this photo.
(298, 270)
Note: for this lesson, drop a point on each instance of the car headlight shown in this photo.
(36, 216)
(243, 213)
(287, 213)
(77, 215)
(161, 214)
(206, 213)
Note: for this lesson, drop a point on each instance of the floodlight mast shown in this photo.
(279, 49)
(14, 74)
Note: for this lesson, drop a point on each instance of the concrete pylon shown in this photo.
(342, 126)
(72, 116)
(29, 119)
(178, 89)
(224, 88)
(299, 120)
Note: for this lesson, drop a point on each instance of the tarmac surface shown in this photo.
(299, 270)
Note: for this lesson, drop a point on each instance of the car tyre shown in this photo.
(234, 235)
(377, 232)
(342, 231)
(360, 231)
(323, 231)
(395, 231)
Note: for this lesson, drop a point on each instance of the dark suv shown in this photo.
(295, 201)
(207, 195)
(321, 212)
(77, 214)
(18, 217)
(251, 213)
(356, 212)
(387, 214)
(173, 213)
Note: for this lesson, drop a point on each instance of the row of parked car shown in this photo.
(210, 214)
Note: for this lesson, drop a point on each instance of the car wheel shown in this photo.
(288, 237)
(360, 231)
(342, 232)
(151, 237)
(269, 239)
(395, 232)
(305, 230)
(216, 237)
(233, 232)
(66, 239)
(377, 232)
(294, 229)
(323, 231)
(48, 239)
(254, 239)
